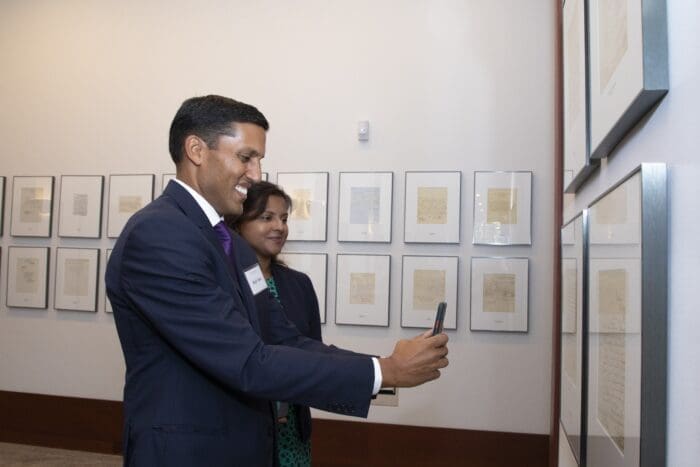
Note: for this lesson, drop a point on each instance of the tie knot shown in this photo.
(224, 236)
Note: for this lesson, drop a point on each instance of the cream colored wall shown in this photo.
(670, 135)
(90, 88)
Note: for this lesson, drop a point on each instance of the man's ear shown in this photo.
(195, 148)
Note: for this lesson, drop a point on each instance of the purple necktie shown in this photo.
(224, 237)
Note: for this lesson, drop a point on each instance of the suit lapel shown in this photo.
(193, 212)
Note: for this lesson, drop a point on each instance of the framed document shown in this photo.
(108, 305)
(499, 299)
(574, 332)
(364, 207)
(80, 206)
(27, 277)
(32, 205)
(577, 163)
(432, 207)
(309, 193)
(628, 47)
(427, 281)
(127, 194)
(362, 290)
(502, 208)
(2, 203)
(76, 279)
(165, 180)
(315, 266)
(627, 333)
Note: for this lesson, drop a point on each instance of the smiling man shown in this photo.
(186, 294)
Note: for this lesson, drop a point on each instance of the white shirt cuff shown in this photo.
(377, 376)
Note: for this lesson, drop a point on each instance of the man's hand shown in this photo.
(415, 361)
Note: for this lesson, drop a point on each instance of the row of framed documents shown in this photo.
(502, 206)
(613, 325)
(499, 286)
(499, 289)
(432, 206)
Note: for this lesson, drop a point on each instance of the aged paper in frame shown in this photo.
(499, 294)
(309, 193)
(315, 266)
(127, 194)
(362, 290)
(502, 204)
(27, 277)
(32, 206)
(432, 207)
(364, 206)
(614, 364)
(80, 206)
(427, 281)
(76, 279)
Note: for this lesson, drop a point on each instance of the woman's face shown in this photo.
(268, 232)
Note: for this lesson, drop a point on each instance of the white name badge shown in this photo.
(255, 279)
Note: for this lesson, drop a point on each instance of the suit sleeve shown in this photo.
(180, 288)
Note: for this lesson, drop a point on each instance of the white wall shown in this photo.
(670, 135)
(91, 87)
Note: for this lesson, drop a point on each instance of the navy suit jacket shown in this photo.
(199, 377)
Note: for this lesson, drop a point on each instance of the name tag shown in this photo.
(255, 278)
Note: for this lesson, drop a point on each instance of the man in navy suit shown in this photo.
(199, 378)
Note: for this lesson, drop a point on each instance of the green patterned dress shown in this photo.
(291, 450)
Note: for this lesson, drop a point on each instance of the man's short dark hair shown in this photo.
(209, 117)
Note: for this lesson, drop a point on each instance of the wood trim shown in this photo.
(556, 254)
(95, 425)
(376, 444)
(61, 422)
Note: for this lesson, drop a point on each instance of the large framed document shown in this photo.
(499, 294)
(76, 279)
(80, 206)
(127, 194)
(432, 211)
(427, 281)
(628, 47)
(364, 207)
(627, 342)
(32, 206)
(362, 290)
(27, 277)
(502, 208)
(309, 192)
(574, 335)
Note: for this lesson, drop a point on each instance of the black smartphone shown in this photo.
(439, 318)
